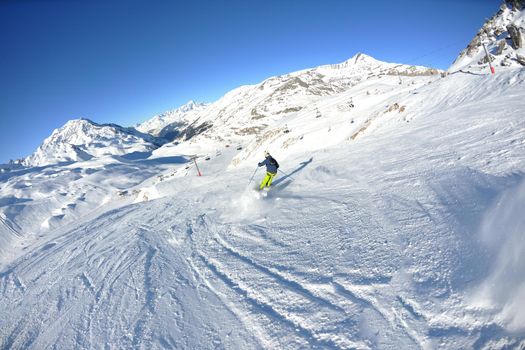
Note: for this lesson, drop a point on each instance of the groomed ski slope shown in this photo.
(409, 236)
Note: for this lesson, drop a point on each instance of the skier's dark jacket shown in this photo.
(271, 164)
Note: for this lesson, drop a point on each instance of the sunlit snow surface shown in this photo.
(401, 230)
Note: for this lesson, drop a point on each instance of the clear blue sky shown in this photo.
(125, 61)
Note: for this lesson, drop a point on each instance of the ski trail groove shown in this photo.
(281, 297)
(393, 319)
(87, 283)
(242, 315)
(291, 284)
(267, 308)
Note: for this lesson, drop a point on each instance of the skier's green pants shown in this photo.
(267, 181)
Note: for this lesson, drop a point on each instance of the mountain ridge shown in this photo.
(246, 108)
(249, 109)
(82, 139)
(504, 37)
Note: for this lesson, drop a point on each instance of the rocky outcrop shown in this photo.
(503, 35)
(413, 72)
(194, 130)
(518, 5)
(515, 36)
(520, 59)
(501, 47)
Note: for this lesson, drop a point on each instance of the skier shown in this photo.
(271, 169)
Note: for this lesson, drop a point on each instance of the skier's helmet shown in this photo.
(266, 154)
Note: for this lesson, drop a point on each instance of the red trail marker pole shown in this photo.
(198, 171)
(488, 60)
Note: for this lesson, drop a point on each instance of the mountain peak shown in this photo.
(189, 106)
(78, 122)
(156, 126)
(81, 139)
(360, 58)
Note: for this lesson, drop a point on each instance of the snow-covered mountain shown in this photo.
(82, 139)
(240, 115)
(504, 38)
(262, 111)
(395, 221)
(407, 236)
(169, 124)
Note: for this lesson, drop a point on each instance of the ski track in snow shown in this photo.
(374, 244)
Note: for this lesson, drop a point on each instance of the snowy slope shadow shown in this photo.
(288, 176)
(144, 158)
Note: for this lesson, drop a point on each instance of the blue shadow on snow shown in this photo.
(288, 176)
